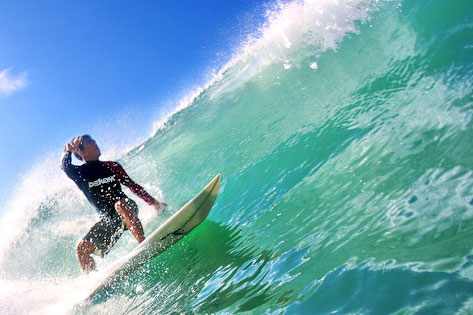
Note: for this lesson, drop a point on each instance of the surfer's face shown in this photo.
(91, 150)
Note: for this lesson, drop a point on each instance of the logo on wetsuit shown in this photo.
(102, 181)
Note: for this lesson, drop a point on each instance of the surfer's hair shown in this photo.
(81, 146)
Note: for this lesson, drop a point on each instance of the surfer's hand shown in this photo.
(160, 206)
(73, 146)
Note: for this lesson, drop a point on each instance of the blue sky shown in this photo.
(70, 67)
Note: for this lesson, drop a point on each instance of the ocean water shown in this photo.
(343, 132)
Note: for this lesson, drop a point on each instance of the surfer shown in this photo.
(100, 182)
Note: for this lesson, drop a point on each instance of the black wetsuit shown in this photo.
(100, 182)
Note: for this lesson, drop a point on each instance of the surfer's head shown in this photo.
(88, 150)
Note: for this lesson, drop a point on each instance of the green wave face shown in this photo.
(345, 147)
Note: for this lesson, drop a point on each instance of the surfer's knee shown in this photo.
(85, 248)
(121, 205)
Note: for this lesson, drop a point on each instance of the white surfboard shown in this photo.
(166, 235)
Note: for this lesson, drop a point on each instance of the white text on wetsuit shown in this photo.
(101, 181)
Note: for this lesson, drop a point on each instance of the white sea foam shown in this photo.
(38, 185)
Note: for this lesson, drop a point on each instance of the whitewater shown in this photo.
(343, 132)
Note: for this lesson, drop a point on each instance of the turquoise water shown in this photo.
(343, 133)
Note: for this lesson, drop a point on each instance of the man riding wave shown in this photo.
(101, 183)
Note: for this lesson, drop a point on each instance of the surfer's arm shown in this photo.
(72, 171)
(67, 166)
(134, 187)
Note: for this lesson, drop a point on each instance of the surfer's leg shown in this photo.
(84, 250)
(126, 210)
(98, 241)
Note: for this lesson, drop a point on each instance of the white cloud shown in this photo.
(10, 83)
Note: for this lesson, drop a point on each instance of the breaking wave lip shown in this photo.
(279, 40)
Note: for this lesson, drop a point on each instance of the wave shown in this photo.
(342, 130)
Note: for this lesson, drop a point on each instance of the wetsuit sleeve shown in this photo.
(72, 171)
(134, 187)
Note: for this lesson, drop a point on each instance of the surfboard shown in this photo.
(175, 228)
